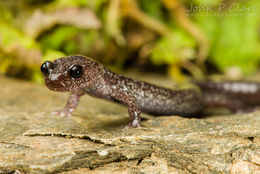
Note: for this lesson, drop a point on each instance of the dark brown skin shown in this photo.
(80, 75)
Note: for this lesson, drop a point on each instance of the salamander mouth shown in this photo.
(58, 89)
(56, 86)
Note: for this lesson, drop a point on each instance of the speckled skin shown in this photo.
(98, 81)
(138, 96)
(245, 91)
(238, 96)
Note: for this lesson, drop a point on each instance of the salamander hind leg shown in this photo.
(133, 108)
(134, 113)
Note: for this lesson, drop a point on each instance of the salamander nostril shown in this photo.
(46, 66)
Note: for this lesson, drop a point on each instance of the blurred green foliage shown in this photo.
(235, 37)
(119, 31)
(172, 49)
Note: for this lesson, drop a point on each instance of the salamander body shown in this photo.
(81, 75)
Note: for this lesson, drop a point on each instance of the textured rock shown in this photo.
(92, 141)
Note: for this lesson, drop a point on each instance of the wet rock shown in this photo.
(92, 141)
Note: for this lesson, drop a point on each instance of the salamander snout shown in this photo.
(46, 66)
(64, 74)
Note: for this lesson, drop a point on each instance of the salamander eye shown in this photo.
(46, 66)
(76, 71)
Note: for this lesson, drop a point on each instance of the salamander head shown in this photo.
(68, 73)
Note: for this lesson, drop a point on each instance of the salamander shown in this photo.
(81, 75)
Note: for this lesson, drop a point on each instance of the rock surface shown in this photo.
(92, 141)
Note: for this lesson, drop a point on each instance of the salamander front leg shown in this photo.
(71, 105)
